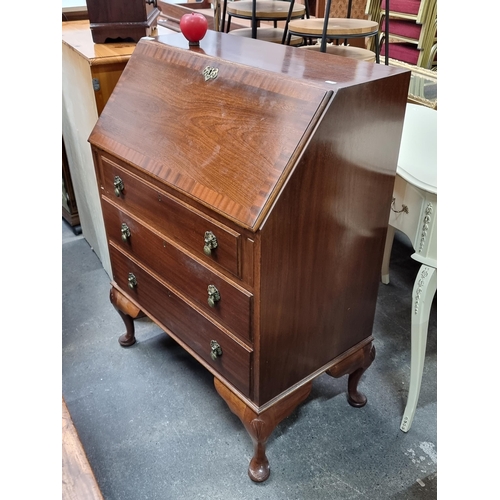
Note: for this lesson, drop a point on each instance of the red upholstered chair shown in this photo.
(404, 30)
(406, 9)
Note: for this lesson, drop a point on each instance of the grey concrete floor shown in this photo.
(154, 428)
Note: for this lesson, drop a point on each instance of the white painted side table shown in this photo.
(414, 212)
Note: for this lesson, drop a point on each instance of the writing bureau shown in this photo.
(246, 203)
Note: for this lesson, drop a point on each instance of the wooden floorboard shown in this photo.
(78, 481)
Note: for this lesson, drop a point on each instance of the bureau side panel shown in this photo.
(322, 246)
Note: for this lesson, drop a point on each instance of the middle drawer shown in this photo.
(230, 305)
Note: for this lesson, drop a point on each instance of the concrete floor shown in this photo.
(154, 428)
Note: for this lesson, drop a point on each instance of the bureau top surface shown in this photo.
(228, 142)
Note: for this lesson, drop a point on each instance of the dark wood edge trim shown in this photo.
(300, 150)
(101, 61)
(259, 409)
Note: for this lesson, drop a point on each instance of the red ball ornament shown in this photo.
(194, 27)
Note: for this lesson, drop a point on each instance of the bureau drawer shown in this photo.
(183, 321)
(173, 218)
(182, 272)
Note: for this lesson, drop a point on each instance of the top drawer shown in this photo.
(173, 218)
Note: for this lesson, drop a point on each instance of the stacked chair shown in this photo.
(274, 11)
(332, 34)
(408, 30)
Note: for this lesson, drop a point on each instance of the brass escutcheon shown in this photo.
(213, 295)
(215, 350)
(210, 73)
(210, 242)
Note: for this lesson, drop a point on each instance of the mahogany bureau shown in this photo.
(246, 202)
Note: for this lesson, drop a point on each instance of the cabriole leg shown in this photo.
(261, 425)
(424, 290)
(128, 312)
(355, 365)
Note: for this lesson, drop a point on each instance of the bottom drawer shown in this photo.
(183, 321)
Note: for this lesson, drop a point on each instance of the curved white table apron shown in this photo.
(414, 212)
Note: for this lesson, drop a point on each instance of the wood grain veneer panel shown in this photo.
(322, 245)
(201, 139)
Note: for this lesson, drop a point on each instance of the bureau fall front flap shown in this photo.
(197, 122)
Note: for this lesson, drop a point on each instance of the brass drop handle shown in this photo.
(132, 280)
(118, 183)
(213, 295)
(210, 242)
(404, 208)
(215, 350)
(125, 231)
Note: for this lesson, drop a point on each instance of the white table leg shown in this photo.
(423, 293)
(389, 239)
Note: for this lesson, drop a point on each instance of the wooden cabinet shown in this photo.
(89, 74)
(246, 203)
(119, 21)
